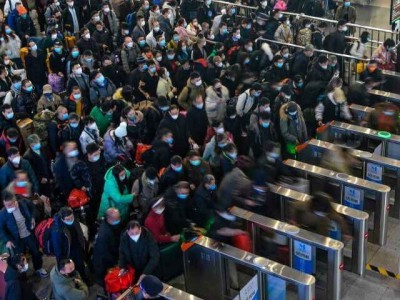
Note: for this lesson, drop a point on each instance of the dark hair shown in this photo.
(151, 173)
(389, 43)
(15, 260)
(88, 120)
(121, 185)
(12, 151)
(15, 78)
(63, 262)
(322, 59)
(4, 107)
(92, 148)
(65, 212)
(264, 115)
(12, 132)
(6, 195)
(162, 132)
(133, 224)
(176, 159)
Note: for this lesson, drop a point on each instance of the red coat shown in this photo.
(155, 223)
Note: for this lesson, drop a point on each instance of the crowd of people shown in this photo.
(156, 118)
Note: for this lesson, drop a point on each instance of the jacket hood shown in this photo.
(109, 175)
(212, 94)
(194, 87)
(282, 111)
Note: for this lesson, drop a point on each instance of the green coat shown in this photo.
(102, 120)
(113, 198)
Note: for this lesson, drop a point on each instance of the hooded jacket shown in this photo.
(215, 104)
(17, 287)
(292, 131)
(176, 212)
(112, 196)
(189, 93)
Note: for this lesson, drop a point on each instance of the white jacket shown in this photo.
(245, 103)
(359, 50)
(13, 46)
(85, 139)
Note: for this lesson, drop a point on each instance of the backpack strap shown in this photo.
(245, 102)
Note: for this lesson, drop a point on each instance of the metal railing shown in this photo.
(207, 263)
(168, 292)
(298, 236)
(347, 63)
(359, 221)
(351, 191)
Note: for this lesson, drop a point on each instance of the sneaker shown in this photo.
(42, 273)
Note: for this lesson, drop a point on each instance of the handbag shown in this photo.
(115, 283)
(56, 82)
(77, 198)
(243, 242)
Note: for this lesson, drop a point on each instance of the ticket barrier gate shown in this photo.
(207, 265)
(169, 292)
(391, 83)
(373, 168)
(304, 250)
(356, 219)
(360, 112)
(381, 96)
(351, 191)
(357, 137)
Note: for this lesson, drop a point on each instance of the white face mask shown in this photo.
(70, 4)
(25, 268)
(96, 18)
(11, 210)
(220, 130)
(87, 36)
(174, 117)
(142, 23)
(159, 211)
(198, 83)
(135, 238)
(53, 36)
(92, 126)
(16, 160)
(227, 216)
(106, 10)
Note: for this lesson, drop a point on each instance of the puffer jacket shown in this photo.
(111, 149)
(145, 191)
(24, 103)
(283, 34)
(97, 91)
(292, 131)
(189, 93)
(112, 197)
(215, 104)
(66, 288)
(112, 20)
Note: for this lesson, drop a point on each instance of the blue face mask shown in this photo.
(182, 196)
(222, 145)
(233, 155)
(69, 223)
(171, 56)
(65, 117)
(152, 69)
(176, 38)
(17, 85)
(162, 43)
(212, 187)
(300, 84)
(142, 43)
(144, 68)
(257, 94)
(177, 169)
(58, 50)
(100, 80)
(74, 125)
(29, 89)
(233, 11)
(224, 31)
(164, 108)
(116, 222)
(10, 115)
(195, 163)
(279, 65)
(347, 4)
(12, 140)
(8, 30)
(170, 140)
(21, 184)
(246, 61)
(75, 54)
(36, 147)
(265, 124)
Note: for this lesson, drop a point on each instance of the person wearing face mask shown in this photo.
(87, 42)
(7, 118)
(103, 38)
(103, 114)
(204, 200)
(54, 128)
(106, 246)
(116, 144)
(172, 174)
(359, 47)
(206, 12)
(261, 134)
(320, 71)
(194, 87)
(372, 71)
(176, 213)
(222, 34)
(336, 41)
(149, 81)
(73, 130)
(197, 121)
(11, 138)
(164, 85)
(151, 37)
(301, 60)
(227, 157)
(292, 127)
(277, 71)
(161, 150)
(165, 24)
(272, 25)
(154, 14)
(155, 223)
(196, 168)
(333, 108)
(199, 49)
(386, 55)
(177, 124)
(318, 35)
(304, 35)
(67, 282)
(25, 103)
(35, 64)
(90, 134)
(358, 92)
(216, 97)
(70, 172)
(5, 82)
(14, 91)
(346, 12)
(25, 27)
(36, 155)
(67, 239)
(384, 117)
(57, 60)
(101, 87)
(71, 18)
(22, 188)
(139, 250)
(16, 284)
(129, 53)
(283, 33)
(91, 25)
(48, 100)
(77, 103)
(78, 78)
(146, 188)
(109, 19)
(143, 11)
(140, 29)
(17, 229)
(230, 17)
(264, 105)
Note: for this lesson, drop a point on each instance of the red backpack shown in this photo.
(42, 233)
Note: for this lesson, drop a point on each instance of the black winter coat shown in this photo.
(162, 154)
(39, 163)
(180, 133)
(142, 255)
(36, 68)
(170, 178)
(17, 286)
(176, 212)
(203, 206)
(197, 122)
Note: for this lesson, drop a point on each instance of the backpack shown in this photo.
(304, 37)
(116, 57)
(131, 21)
(40, 123)
(143, 106)
(42, 234)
